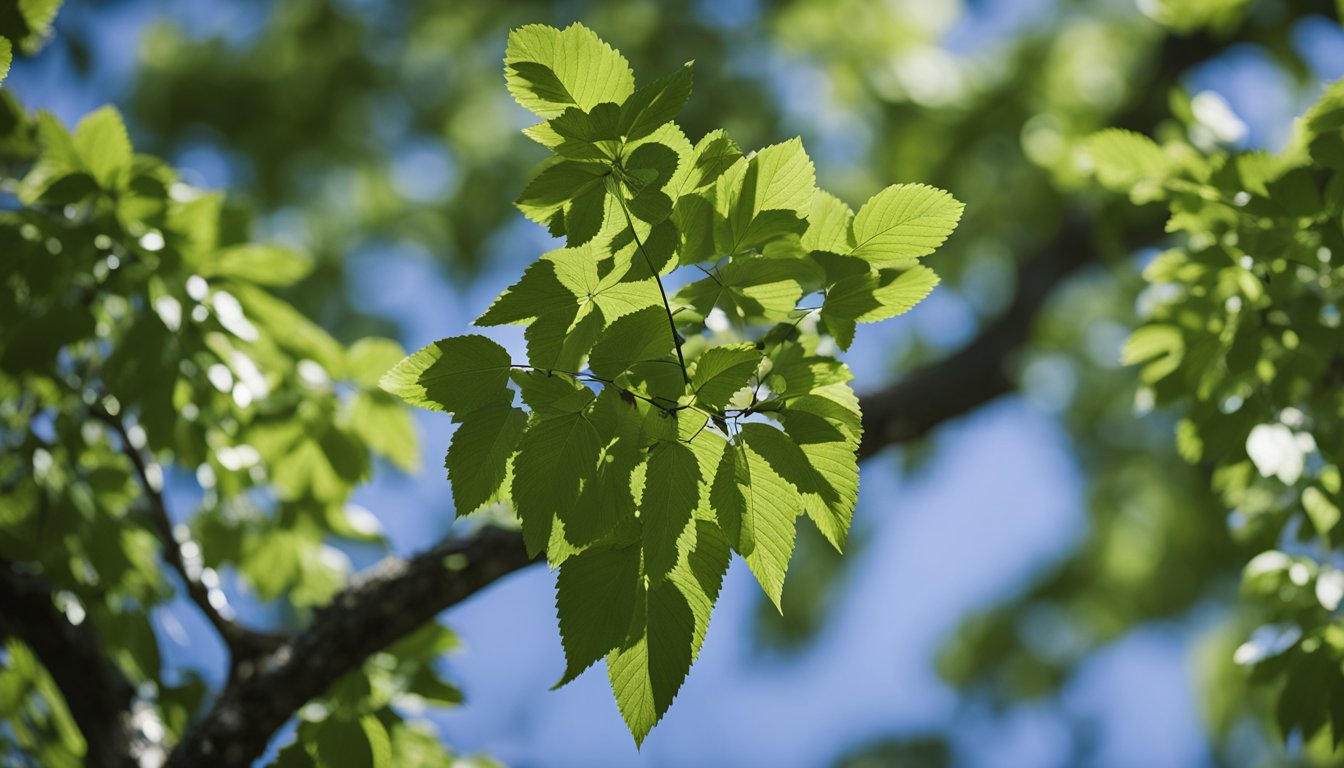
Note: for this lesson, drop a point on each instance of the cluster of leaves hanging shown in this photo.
(663, 431)
(1243, 332)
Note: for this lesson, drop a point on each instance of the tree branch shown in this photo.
(383, 604)
(243, 643)
(910, 408)
(97, 695)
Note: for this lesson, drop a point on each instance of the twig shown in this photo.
(243, 643)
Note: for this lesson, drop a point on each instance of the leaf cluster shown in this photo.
(1242, 333)
(658, 432)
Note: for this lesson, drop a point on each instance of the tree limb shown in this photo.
(98, 696)
(383, 604)
(911, 407)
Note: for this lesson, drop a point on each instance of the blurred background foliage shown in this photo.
(355, 127)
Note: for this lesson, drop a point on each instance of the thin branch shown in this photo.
(667, 306)
(243, 643)
(98, 696)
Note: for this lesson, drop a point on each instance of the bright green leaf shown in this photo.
(671, 493)
(454, 375)
(721, 371)
(261, 264)
(478, 456)
(556, 457)
(904, 221)
(757, 506)
(642, 335)
(548, 69)
(655, 104)
(647, 671)
(102, 143)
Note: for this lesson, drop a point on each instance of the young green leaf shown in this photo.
(1128, 162)
(478, 456)
(761, 198)
(102, 143)
(272, 265)
(828, 434)
(671, 494)
(875, 296)
(556, 457)
(548, 70)
(757, 506)
(596, 594)
(904, 221)
(642, 335)
(670, 624)
(557, 185)
(655, 104)
(830, 225)
(455, 375)
(722, 371)
(6, 57)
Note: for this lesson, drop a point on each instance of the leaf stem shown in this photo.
(667, 306)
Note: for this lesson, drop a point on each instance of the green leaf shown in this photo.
(761, 198)
(873, 297)
(552, 394)
(752, 289)
(102, 143)
(6, 57)
(548, 69)
(828, 434)
(369, 358)
(722, 371)
(795, 371)
(1322, 512)
(345, 744)
(640, 336)
(830, 225)
(478, 456)
(556, 458)
(671, 494)
(757, 506)
(904, 221)
(558, 185)
(647, 671)
(1129, 162)
(455, 375)
(385, 426)
(538, 293)
(595, 597)
(655, 104)
(261, 264)
(600, 126)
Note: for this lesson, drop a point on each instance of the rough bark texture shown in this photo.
(380, 606)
